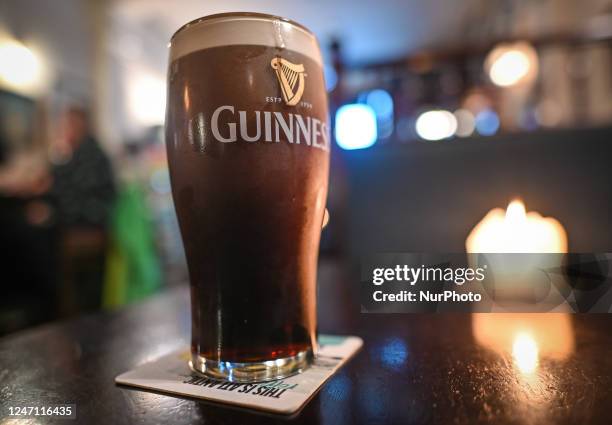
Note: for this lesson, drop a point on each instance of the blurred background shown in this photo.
(441, 111)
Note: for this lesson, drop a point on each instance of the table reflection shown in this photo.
(534, 347)
(527, 337)
(525, 352)
(393, 354)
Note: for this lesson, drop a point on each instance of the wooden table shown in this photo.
(412, 369)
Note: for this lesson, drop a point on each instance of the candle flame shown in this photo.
(515, 213)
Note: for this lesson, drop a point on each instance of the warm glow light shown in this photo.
(551, 332)
(509, 68)
(527, 343)
(516, 216)
(147, 98)
(516, 230)
(436, 125)
(466, 122)
(525, 352)
(19, 66)
(510, 64)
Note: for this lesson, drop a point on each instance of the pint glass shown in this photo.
(248, 142)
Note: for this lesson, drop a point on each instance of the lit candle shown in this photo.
(527, 337)
(517, 231)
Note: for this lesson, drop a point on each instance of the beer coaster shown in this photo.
(171, 374)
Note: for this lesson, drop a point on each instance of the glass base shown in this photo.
(252, 372)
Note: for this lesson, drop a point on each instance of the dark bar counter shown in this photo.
(412, 369)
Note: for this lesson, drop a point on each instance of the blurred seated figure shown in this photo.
(83, 191)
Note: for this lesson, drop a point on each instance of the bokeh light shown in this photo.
(436, 125)
(355, 126)
(19, 66)
(466, 122)
(381, 102)
(487, 122)
(394, 354)
(510, 64)
(147, 98)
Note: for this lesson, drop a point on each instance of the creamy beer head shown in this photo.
(244, 28)
(247, 133)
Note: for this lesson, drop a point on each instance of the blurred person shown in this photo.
(83, 191)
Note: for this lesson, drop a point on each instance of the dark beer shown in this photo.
(248, 148)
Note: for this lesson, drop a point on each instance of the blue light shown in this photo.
(355, 126)
(394, 354)
(487, 122)
(331, 77)
(381, 101)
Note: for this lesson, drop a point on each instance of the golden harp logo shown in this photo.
(291, 79)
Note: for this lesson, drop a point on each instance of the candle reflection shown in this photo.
(527, 337)
(525, 353)
(530, 349)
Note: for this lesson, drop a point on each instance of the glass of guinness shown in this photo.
(248, 148)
